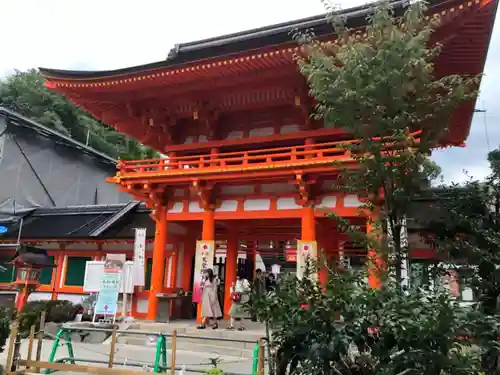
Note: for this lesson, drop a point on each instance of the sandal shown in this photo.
(230, 328)
(241, 329)
(201, 326)
(215, 326)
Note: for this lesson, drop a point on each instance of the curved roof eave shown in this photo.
(233, 43)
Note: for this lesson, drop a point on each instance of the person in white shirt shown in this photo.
(240, 296)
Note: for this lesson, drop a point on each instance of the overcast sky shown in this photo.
(109, 34)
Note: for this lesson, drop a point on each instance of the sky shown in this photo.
(111, 34)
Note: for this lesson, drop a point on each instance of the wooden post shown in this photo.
(41, 333)
(12, 344)
(174, 352)
(207, 234)
(260, 358)
(31, 340)
(231, 267)
(158, 267)
(112, 349)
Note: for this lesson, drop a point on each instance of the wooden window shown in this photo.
(9, 275)
(46, 274)
(149, 269)
(75, 270)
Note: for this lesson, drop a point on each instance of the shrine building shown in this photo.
(246, 165)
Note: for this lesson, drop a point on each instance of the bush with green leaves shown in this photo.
(5, 322)
(347, 327)
(57, 311)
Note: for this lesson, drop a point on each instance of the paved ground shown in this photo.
(196, 361)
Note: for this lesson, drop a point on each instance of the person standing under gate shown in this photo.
(240, 297)
(210, 307)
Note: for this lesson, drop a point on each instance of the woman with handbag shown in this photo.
(240, 296)
(210, 308)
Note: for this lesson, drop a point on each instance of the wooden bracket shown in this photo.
(155, 197)
(307, 190)
(303, 102)
(209, 118)
(205, 193)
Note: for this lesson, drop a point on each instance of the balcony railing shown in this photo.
(284, 157)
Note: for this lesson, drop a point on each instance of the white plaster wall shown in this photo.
(195, 207)
(351, 201)
(75, 298)
(289, 129)
(261, 132)
(142, 305)
(39, 296)
(237, 190)
(329, 202)
(287, 204)
(257, 205)
(278, 188)
(227, 206)
(177, 207)
(236, 134)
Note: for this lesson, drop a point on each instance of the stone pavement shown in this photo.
(196, 361)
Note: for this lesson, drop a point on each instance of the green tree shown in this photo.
(464, 224)
(379, 86)
(25, 92)
(381, 331)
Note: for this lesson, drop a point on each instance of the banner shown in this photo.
(204, 259)
(107, 299)
(139, 257)
(306, 250)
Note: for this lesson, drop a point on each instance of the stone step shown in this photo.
(211, 346)
(218, 341)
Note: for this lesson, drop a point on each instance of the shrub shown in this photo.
(56, 312)
(5, 315)
(349, 328)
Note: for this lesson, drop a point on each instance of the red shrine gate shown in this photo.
(245, 159)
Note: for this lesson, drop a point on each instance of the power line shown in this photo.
(483, 111)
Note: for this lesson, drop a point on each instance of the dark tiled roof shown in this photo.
(79, 222)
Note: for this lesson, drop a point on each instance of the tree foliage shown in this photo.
(464, 225)
(25, 93)
(381, 331)
(381, 87)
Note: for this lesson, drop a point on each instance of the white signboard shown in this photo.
(139, 257)
(94, 272)
(306, 250)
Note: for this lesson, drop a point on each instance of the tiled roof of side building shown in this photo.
(79, 222)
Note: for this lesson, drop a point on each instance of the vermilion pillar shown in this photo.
(231, 266)
(326, 246)
(158, 266)
(374, 260)
(208, 229)
(308, 224)
(207, 234)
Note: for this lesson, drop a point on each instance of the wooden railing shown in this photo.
(253, 158)
(283, 156)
